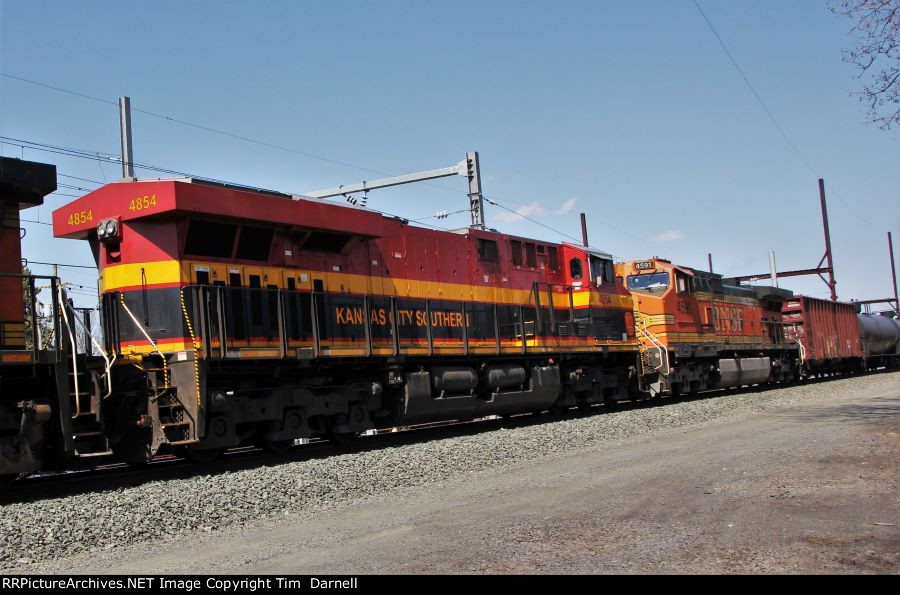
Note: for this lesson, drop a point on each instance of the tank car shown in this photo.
(879, 339)
(237, 316)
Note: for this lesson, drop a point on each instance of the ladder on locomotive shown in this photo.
(88, 434)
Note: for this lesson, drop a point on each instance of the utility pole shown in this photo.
(584, 236)
(831, 282)
(894, 274)
(125, 132)
(819, 270)
(772, 267)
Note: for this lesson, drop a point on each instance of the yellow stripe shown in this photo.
(129, 275)
(728, 299)
(173, 271)
(126, 349)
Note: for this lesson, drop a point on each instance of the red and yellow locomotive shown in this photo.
(258, 315)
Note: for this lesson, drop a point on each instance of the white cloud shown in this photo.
(670, 235)
(535, 208)
(532, 208)
(566, 206)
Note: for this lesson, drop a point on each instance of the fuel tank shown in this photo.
(743, 371)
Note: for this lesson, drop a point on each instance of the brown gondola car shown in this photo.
(827, 332)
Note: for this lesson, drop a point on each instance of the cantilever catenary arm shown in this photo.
(468, 167)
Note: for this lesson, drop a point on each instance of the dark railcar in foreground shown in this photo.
(35, 409)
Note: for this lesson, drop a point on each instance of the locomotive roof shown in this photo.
(186, 196)
(26, 182)
(590, 250)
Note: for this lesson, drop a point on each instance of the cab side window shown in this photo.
(683, 283)
(553, 257)
(601, 271)
(575, 268)
(487, 250)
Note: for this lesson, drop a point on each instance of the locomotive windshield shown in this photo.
(652, 283)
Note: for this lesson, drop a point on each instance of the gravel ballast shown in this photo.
(32, 532)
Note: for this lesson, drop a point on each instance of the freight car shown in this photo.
(880, 340)
(34, 385)
(834, 338)
(238, 315)
(827, 333)
(698, 331)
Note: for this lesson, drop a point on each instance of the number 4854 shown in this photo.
(142, 203)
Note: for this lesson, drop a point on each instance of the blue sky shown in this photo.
(629, 111)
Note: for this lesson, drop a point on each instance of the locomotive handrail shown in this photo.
(664, 351)
(62, 300)
(103, 353)
(221, 312)
(32, 294)
(535, 289)
(190, 327)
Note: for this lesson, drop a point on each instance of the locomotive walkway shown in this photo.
(807, 483)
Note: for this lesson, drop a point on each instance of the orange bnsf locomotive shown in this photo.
(237, 316)
(698, 331)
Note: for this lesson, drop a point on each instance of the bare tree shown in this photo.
(876, 26)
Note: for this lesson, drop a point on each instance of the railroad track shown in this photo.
(168, 467)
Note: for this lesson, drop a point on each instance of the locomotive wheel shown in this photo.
(203, 455)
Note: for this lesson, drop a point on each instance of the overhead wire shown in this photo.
(768, 112)
(83, 153)
(212, 130)
(62, 175)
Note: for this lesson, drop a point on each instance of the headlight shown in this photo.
(108, 229)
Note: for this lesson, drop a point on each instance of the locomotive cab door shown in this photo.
(204, 301)
(261, 310)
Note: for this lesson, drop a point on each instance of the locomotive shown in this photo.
(233, 315)
(34, 381)
(245, 315)
(699, 332)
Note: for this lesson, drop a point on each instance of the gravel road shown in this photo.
(608, 492)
